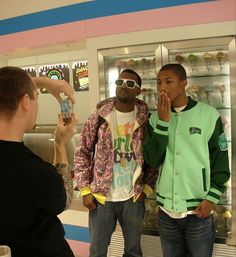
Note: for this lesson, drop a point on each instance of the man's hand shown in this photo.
(142, 196)
(56, 87)
(204, 209)
(89, 202)
(62, 135)
(63, 131)
(163, 107)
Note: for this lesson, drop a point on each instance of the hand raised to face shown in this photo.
(164, 107)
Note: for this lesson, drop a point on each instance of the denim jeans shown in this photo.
(187, 237)
(102, 223)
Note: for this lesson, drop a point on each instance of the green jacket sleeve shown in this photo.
(155, 143)
(219, 161)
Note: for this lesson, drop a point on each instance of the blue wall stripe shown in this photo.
(83, 11)
(76, 233)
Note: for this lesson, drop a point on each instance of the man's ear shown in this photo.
(25, 102)
(184, 83)
(138, 90)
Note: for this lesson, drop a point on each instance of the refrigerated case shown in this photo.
(144, 59)
(211, 68)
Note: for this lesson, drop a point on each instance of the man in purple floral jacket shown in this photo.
(114, 183)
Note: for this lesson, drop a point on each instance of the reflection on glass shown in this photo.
(221, 57)
(222, 89)
(207, 57)
(192, 58)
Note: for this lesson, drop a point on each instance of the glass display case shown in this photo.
(144, 60)
(209, 64)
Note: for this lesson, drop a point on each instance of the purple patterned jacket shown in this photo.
(97, 174)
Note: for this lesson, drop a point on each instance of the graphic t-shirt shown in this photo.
(124, 158)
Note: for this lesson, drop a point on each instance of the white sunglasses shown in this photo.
(129, 83)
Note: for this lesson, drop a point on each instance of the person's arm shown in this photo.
(55, 87)
(155, 143)
(84, 154)
(156, 140)
(219, 161)
(150, 178)
(83, 162)
(62, 134)
(220, 172)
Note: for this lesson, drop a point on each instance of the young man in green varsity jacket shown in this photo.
(186, 141)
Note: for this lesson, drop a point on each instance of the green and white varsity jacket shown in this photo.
(192, 156)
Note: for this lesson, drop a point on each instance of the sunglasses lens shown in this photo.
(119, 82)
(130, 84)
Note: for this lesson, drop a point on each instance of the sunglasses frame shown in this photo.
(124, 83)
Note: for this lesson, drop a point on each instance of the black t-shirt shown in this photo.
(32, 194)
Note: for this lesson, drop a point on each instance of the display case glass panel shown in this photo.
(143, 59)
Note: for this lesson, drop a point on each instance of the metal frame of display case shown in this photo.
(232, 51)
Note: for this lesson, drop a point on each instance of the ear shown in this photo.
(184, 83)
(25, 102)
(138, 91)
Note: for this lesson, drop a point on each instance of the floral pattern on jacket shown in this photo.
(96, 174)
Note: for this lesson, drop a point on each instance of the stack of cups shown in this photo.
(5, 251)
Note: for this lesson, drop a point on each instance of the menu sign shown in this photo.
(80, 76)
(54, 74)
(54, 71)
(30, 70)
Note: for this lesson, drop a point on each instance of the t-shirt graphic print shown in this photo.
(124, 157)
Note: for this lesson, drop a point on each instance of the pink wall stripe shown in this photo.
(216, 11)
(44, 36)
(80, 249)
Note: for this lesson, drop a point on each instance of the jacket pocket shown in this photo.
(204, 179)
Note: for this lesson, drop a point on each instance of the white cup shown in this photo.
(5, 251)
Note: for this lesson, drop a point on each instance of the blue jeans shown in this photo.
(188, 237)
(102, 223)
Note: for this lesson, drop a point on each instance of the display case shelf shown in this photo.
(208, 76)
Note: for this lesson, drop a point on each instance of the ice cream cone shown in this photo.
(222, 89)
(119, 64)
(131, 63)
(221, 59)
(208, 91)
(144, 93)
(179, 58)
(207, 59)
(193, 92)
(192, 58)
